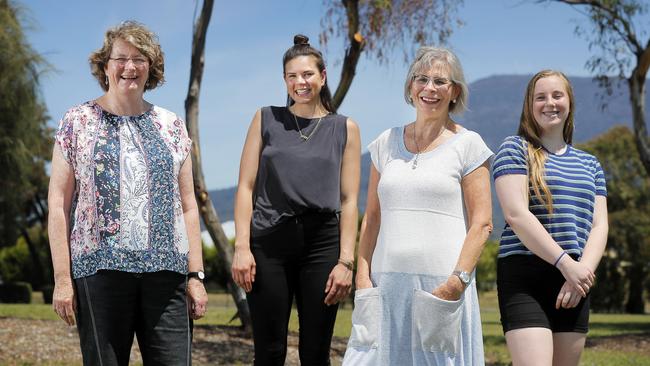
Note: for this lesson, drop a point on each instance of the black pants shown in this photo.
(113, 305)
(294, 260)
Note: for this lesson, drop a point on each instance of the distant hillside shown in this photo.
(495, 107)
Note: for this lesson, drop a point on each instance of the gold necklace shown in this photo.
(417, 148)
(302, 135)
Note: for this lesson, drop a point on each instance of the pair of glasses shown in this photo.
(423, 80)
(137, 61)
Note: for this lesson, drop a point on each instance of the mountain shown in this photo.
(495, 107)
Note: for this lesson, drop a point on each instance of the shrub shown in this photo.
(16, 293)
(47, 290)
(486, 270)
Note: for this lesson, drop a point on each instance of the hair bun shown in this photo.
(300, 40)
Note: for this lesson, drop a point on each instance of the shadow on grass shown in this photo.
(626, 327)
(222, 345)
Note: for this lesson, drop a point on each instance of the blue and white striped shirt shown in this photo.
(574, 178)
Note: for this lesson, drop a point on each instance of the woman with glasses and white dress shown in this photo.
(427, 218)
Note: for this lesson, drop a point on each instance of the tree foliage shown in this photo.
(379, 27)
(621, 45)
(25, 138)
(625, 268)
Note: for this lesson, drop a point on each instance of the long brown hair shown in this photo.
(529, 129)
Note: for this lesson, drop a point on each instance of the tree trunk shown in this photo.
(636, 82)
(635, 303)
(352, 53)
(206, 208)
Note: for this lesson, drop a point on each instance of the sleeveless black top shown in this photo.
(295, 176)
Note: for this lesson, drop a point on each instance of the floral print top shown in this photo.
(126, 212)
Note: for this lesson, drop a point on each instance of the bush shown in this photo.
(47, 290)
(486, 270)
(15, 262)
(211, 269)
(16, 293)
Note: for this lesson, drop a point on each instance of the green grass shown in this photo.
(222, 309)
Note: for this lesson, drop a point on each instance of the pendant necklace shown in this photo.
(417, 148)
(302, 135)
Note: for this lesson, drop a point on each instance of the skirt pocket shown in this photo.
(366, 318)
(436, 322)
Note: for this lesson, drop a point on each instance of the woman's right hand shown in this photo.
(243, 268)
(576, 274)
(362, 282)
(63, 300)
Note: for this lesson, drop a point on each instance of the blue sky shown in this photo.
(245, 43)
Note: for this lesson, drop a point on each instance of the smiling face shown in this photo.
(127, 68)
(551, 103)
(432, 90)
(304, 80)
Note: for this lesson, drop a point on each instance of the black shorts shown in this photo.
(527, 289)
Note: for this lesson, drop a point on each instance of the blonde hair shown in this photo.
(529, 129)
(139, 37)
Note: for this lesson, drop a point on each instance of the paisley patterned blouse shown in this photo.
(126, 213)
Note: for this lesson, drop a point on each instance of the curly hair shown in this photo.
(139, 37)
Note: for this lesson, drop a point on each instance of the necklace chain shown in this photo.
(417, 148)
(302, 135)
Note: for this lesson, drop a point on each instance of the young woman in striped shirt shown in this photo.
(553, 198)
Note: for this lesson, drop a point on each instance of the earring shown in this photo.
(454, 101)
(106, 82)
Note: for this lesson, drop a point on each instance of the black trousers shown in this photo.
(112, 306)
(294, 260)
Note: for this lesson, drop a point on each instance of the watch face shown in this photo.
(464, 276)
(200, 275)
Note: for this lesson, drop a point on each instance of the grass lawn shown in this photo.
(603, 329)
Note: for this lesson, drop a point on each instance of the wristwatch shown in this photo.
(198, 275)
(463, 276)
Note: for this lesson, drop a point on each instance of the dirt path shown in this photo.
(48, 342)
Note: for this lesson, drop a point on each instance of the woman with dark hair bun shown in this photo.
(296, 212)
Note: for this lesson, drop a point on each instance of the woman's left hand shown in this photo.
(568, 297)
(197, 299)
(450, 290)
(338, 285)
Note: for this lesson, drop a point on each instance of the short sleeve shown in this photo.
(601, 184)
(379, 149)
(185, 142)
(373, 149)
(65, 137)
(475, 154)
(511, 158)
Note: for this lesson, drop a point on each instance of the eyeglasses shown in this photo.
(137, 62)
(423, 80)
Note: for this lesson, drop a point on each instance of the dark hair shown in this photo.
(301, 47)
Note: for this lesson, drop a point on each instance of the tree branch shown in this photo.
(206, 208)
(352, 52)
(627, 34)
